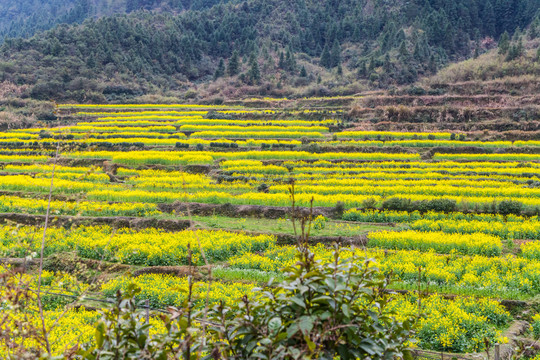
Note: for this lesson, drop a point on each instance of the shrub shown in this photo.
(507, 207)
(312, 313)
(179, 145)
(398, 204)
(321, 311)
(339, 209)
(314, 148)
(442, 205)
(370, 203)
(263, 188)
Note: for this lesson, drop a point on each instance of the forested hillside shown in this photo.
(23, 18)
(265, 46)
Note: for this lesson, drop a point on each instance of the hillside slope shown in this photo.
(324, 47)
(23, 18)
(492, 97)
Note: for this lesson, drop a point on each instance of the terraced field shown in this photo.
(140, 192)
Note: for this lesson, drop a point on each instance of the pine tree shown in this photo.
(281, 63)
(325, 58)
(254, 72)
(335, 54)
(432, 65)
(220, 71)
(403, 52)
(504, 43)
(234, 64)
(515, 51)
(372, 64)
(303, 72)
(362, 70)
(290, 61)
(387, 65)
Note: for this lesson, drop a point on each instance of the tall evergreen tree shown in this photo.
(504, 43)
(432, 65)
(220, 71)
(326, 60)
(234, 64)
(282, 65)
(372, 64)
(403, 52)
(516, 50)
(387, 65)
(254, 71)
(290, 61)
(362, 70)
(335, 54)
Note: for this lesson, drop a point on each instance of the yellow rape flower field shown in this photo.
(191, 202)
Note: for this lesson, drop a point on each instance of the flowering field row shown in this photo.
(391, 134)
(383, 216)
(257, 134)
(152, 287)
(197, 120)
(498, 276)
(140, 106)
(14, 204)
(487, 157)
(150, 247)
(469, 244)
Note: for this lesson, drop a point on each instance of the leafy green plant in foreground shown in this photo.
(318, 312)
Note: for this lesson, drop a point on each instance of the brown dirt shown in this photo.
(240, 211)
(116, 222)
(198, 272)
(288, 239)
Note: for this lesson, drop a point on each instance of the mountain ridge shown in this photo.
(326, 47)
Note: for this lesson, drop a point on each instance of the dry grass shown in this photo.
(10, 120)
(487, 67)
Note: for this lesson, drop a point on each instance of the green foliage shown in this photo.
(403, 204)
(397, 204)
(123, 56)
(504, 43)
(220, 71)
(320, 311)
(515, 51)
(507, 207)
(254, 72)
(233, 67)
(336, 310)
